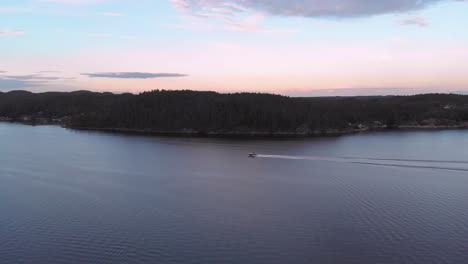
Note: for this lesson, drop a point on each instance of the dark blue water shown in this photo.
(84, 197)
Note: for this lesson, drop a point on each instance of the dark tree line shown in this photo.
(228, 113)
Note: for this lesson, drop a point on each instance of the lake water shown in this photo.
(88, 197)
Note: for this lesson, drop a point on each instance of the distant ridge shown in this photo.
(19, 92)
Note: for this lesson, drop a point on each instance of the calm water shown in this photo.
(85, 197)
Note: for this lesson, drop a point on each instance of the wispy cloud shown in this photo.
(226, 17)
(248, 15)
(8, 33)
(8, 82)
(305, 8)
(31, 78)
(414, 21)
(133, 75)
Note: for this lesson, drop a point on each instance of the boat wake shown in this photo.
(451, 165)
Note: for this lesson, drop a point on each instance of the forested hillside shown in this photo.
(241, 113)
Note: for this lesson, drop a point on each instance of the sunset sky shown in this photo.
(298, 48)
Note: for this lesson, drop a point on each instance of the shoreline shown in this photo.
(263, 135)
(251, 134)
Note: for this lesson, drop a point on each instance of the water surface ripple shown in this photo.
(74, 197)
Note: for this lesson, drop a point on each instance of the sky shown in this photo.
(295, 48)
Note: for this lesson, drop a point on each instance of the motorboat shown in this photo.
(253, 155)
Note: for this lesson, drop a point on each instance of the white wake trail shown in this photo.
(401, 163)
